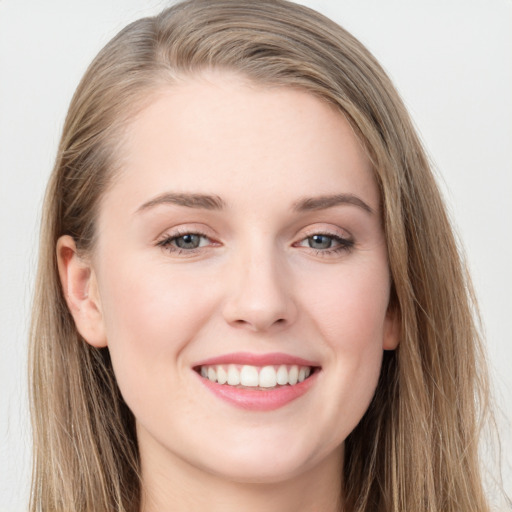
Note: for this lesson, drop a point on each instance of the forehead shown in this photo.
(220, 134)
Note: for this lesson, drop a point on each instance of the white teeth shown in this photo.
(282, 375)
(222, 376)
(249, 376)
(293, 375)
(212, 375)
(233, 375)
(268, 377)
(255, 376)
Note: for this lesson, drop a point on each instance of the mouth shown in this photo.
(256, 377)
(258, 382)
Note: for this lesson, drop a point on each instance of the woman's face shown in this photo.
(242, 242)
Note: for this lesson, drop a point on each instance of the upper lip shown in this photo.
(247, 358)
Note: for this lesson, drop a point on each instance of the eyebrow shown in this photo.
(213, 202)
(204, 201)
(329, 201)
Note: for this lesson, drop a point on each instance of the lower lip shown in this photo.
(258, 399)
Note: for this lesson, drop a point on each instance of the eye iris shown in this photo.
(188, 241)
(320, 242)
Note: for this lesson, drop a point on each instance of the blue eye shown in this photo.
(320, 241)
(325, 244)
(186, 242)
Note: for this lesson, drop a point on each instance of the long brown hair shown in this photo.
(416, 448)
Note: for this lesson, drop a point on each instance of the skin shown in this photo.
(254, 285)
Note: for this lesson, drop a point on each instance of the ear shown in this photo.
(81, 292)
(392, 328)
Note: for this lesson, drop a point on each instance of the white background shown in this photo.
(450, 59)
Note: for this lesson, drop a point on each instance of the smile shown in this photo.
(249, 376)
(258, 382)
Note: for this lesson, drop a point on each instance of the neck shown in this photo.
(178, 487)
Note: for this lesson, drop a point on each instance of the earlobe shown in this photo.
(392, 328)
(80, 289)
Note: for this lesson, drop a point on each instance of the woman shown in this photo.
(260, 300)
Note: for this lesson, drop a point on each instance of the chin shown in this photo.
(269, 471)
(270, 464)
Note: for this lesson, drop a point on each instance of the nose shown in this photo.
(260, 296)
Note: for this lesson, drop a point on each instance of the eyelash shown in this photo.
(343, 244)
(167, 242)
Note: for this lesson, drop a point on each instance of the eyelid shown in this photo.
(345, 241)
(186, 229)
(328, 230)
(164, 241)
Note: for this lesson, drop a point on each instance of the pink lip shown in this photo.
(257, 399)
(274, 358)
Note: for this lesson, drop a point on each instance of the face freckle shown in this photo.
(243, 231)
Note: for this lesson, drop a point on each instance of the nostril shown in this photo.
(259, 324)
(258, 308)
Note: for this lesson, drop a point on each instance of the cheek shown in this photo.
(351, 310)
(150, 316)
(350, 314)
